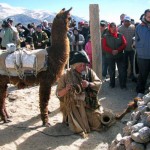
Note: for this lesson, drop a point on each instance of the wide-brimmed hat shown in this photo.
(80, 57)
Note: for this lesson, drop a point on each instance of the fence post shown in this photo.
(96, 39)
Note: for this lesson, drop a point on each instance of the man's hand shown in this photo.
(84, 83)
(68, 87)
(39, 44)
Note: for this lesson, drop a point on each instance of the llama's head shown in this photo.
(63, 18)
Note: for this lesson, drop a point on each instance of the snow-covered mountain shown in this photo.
(26, 16)
(7, 10)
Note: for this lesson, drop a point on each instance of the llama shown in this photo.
(58, 55)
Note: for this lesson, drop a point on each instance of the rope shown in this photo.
(34, 128)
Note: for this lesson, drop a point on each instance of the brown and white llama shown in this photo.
(58, 55)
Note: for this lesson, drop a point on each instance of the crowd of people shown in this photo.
(80, 111)
(33, 36)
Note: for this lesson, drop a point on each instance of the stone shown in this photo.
(131, 123)
(137, 127)
(120, 147)
(127, 130)
(148, 146)
(148, 105)
(146, 98)
(144, 134)
(135, 116)
(147, 122)
(136, 137)
(126, 140)
(113, 145)
(137, 146)
(118, 137)
(140, 103)
(142, 109)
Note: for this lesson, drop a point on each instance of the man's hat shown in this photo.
(79, 57)
(30, 26)
(103, 22)
(127, 18)
(9, 20)
(39, 26)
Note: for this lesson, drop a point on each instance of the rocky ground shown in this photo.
(26, 133)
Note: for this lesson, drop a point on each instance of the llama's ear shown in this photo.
(69, 10)
(63, 9)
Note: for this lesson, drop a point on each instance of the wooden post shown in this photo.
(96, 39)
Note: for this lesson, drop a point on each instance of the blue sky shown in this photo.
(110, 10)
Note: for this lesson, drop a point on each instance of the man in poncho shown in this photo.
(77, 91)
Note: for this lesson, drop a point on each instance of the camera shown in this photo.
(5, 24)
(72, 23)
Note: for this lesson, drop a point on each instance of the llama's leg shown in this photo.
(6, 112)
(44, 95)
(3, 112)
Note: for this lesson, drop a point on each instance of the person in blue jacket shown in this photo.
(142, 45)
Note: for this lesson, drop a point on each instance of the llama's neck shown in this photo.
(60, 48)
(59, 37)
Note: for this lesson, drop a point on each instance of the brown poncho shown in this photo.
(80, 116)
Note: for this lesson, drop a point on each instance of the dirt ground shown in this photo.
(26, 133)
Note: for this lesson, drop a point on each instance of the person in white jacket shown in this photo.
(8, 34)
(77, 40)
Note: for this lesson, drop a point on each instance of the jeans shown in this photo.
(104, 66)
(144, 70)
(128, 55)
(112, 69)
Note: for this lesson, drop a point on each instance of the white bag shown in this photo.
(28, 60)
(11, 47)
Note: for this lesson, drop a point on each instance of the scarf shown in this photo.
(114, 34)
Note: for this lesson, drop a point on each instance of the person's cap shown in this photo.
(112, 24)
(30, 26)
(18, 25)
(103, 22)
(127, 18)
(75, 29)
(86, 22)
(80, 57)
(81, 22)
(45, 21)
(39, 26)
(9, 20)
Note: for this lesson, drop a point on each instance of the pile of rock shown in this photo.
(136, 134)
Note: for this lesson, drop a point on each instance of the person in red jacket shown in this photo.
(113, 43)
(88, 50)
